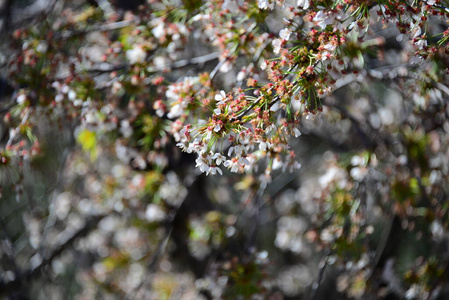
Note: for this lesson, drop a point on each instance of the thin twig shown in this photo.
(6, 11)
(27, 16)
(104, 27)
(66, 242)
(175, 65)
(217, 67)
(187, 62)
(316, 284)
(252, 238)
(382, 244)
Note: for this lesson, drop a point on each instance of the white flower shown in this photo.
(277, 44)
(59, 98)
(56, 85)
(421, 43)
(154, 213)
(172, 93)
(233, 164)
(136, 55)
(42, 47)
(175, 111)
(184, 134)
(72, 95)
(160, 112)
(237, 149)
(277, 163)
(275, 107)
(400, 37)
(310, 116)
(241, 75)
(182, 146)
(417, 31)
(304, 4)
(158, 31)
(21, 99)
(201, 17)
(65, 89)
(90, 117)
(358, 173)
(201, 164)
(437, 230)
(198, 146)
(226, 67)
(125, 129)
(291, 166)
(217, 111)
(358, 160)
(221, 97)
(412, 292)
(330, 47)
(208, 134)
(265, 179)
(243, 160)
(214, 171)
(264, 146)
(12, 133)
(218, 158)
(296, 132)
(322, 19)
(265, 4)
(285, 34)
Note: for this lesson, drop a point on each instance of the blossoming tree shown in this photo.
(324, 122)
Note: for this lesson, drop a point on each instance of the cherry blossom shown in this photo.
(136, 55)
(285, 33)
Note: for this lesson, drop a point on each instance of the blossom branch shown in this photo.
(103, 27)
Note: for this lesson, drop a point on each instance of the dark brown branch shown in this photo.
(6, 12)
(316, 284)
(252, 238)
(382, 245)
(31, 14)
(175, 65)
(31, 273)
(104, 27)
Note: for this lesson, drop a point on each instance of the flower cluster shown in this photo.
(320, 45)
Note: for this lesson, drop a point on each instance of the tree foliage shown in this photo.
(324, 122)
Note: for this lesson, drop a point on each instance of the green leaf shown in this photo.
(88, 141)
